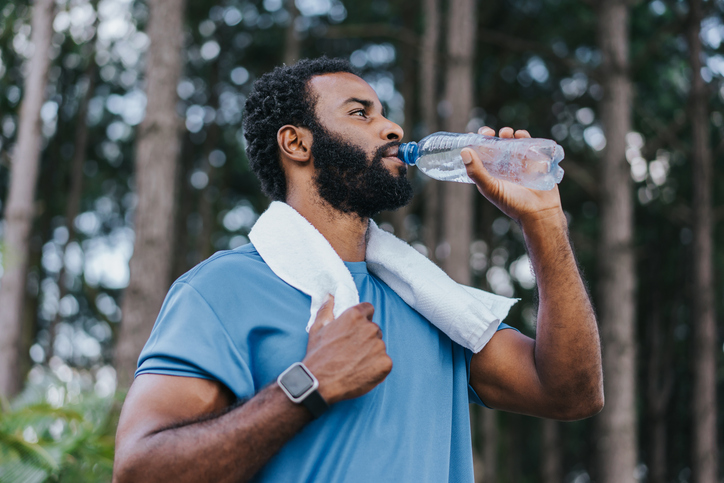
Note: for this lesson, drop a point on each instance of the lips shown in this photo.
(392, 152)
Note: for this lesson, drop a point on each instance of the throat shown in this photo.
(346, 232)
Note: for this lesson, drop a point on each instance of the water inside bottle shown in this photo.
(439, 166)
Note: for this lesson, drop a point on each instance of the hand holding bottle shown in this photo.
(518, 202)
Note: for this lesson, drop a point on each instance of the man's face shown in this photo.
(354, 148)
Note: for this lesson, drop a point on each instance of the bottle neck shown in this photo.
(407, 152)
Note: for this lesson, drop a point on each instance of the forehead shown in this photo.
(332, 91)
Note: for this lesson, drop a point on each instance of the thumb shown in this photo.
(325, 314)
(477, 172)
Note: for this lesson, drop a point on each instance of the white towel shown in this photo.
(300, 255)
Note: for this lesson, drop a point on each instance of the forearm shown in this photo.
(567, 348)
(231, 447)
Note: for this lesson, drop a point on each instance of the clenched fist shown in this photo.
(347, 354)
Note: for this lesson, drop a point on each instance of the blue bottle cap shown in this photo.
(407, 152)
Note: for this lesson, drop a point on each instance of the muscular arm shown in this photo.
(171, 428)
(558, 375)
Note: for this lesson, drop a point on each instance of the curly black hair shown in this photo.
(278, 98)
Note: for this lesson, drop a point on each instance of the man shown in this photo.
(397, 388)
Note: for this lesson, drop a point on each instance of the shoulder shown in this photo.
(228, 266)
(235, 278)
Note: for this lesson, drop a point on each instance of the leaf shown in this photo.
(21, 472)
(27, 451)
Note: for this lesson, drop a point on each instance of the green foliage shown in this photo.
(71, 442)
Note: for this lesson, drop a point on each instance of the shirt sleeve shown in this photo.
(189, 340)
(472, 395)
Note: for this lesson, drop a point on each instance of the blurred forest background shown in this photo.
(122, 165)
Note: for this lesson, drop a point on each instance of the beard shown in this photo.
(350, 182)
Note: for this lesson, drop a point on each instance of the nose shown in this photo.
(392, 131)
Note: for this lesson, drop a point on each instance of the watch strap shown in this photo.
(315, 403)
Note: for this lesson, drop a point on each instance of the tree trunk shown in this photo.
(457, 222)
(19, 210)
(658, 434)
(490, 447)
(204, 244)
(292, 43)
(704, 340)
(75, 188)
(551, 455)
(184, 206)
(511, 445)
(429, 47)
(157, 151)
(41, 232)
(660, 382)
(659, 394)
(617, 439)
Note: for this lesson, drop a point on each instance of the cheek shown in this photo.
(354, 134)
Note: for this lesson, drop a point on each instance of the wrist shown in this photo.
(326, 392)
(327, 387)
(545, 221)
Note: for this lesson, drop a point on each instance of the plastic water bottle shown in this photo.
(532, 163)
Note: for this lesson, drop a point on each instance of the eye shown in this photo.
(360, 113)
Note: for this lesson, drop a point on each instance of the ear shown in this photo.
(295, 143)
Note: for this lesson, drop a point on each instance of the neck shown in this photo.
(346, 232)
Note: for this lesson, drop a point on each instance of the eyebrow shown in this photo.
(366, 103)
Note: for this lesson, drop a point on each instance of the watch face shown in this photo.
(297, 381)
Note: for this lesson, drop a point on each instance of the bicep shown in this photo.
(156, 402)
(504, 375)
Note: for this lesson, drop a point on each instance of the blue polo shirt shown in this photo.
(231, 319)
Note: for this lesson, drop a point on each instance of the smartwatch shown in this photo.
(300, 385)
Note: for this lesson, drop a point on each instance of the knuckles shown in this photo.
(365, 309)
(358, 312)
(370, 329)
(386, 364)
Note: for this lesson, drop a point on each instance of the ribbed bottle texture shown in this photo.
(532, 163)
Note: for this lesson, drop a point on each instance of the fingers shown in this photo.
(366, 309)
(506, 132)
(325, 314)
